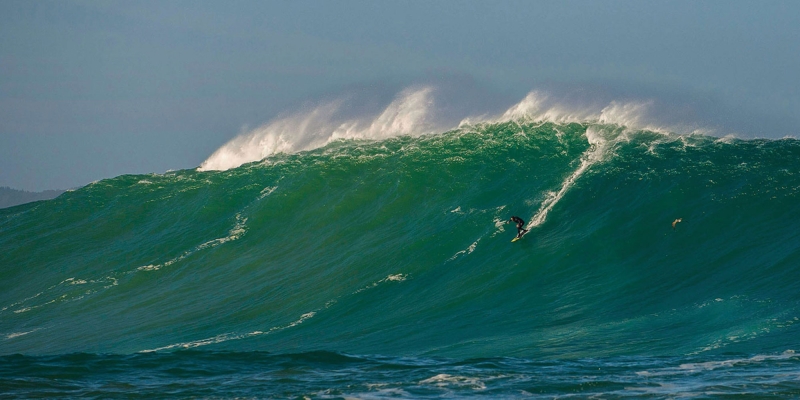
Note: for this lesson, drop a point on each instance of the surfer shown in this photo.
(520, 230)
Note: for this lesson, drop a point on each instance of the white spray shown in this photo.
(408, 114)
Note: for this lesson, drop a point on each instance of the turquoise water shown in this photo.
(385, 269)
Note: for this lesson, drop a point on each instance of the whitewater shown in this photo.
(330, 255)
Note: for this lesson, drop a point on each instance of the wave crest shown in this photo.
(414, 112)
(408, 114)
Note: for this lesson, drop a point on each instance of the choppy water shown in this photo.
(331, 375)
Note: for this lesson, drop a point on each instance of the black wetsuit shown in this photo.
(520, 223)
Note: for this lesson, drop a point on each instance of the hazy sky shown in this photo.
(95, 89)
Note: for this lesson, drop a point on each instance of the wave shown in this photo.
(398, 246)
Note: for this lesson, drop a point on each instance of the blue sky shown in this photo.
(95, 89)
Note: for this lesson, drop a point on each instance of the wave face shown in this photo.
(399, 247)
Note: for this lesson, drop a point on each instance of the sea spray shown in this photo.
(408, 114)
(414, 112)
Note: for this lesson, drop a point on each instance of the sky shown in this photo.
(96, 89)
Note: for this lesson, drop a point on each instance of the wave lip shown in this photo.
(414, 112)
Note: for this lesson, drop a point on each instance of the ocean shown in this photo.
(382, 267)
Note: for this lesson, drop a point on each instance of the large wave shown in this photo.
(644, 242)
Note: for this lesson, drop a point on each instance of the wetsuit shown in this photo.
(520, 223)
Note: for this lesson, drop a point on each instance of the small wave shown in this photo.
(443, 380)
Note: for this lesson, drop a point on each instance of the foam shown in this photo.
(236, 336)
(693, 368)
(607, 126)
(70, 295)
(378, 391)
(389, 278)
(468, 250)
(231, 336)
(266, 192)
(236, 232)
(101, 284)
(18, 334)
(395, 278)
(595, 153)
(443, 380)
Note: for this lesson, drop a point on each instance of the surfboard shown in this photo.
(518, 238)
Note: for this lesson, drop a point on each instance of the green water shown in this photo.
(399, 247)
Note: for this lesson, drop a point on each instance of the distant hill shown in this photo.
(12, 197)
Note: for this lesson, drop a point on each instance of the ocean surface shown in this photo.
(383, 268)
